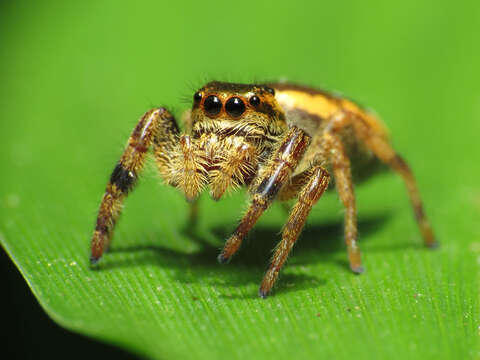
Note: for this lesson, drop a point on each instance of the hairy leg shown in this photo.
(193, 213)
(384, 151)
(272, 177)
(294, 186)
(157, 125)
(236, 165)
(180, 161)
(317, 182)
(343, 180)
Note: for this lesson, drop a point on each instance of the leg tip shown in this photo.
(216, 195)
(222, 259)
(359, 269)
(262, 293)
(94, 260)
(433, 245)
(190, 198)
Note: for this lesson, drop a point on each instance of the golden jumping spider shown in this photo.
(282, 141)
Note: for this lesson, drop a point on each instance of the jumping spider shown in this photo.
(280, 140)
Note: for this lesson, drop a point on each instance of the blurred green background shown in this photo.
(75, 77)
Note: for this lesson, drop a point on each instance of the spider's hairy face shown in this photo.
(228, 109)
(234, 128)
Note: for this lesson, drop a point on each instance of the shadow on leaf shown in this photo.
(318, 243)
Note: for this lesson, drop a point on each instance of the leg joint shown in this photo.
(122, 178)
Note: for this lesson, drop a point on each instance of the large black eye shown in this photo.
(212, 105)
(235, 107)
(254, 100)
(197, 96)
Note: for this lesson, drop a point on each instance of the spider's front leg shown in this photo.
(157, 126)
(308, 187)
(272, 177)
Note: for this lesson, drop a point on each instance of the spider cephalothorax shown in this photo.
(233, 130)
(280, 140)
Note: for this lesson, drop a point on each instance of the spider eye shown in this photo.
(254, 100)
(235, 107)
(270, 90)
(212, 105)
(197, 96)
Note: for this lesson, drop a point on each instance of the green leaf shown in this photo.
(77, 77)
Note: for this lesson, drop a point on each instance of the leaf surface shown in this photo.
(76, 78)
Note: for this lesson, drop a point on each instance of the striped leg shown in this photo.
(269, 182)
(343, 179)
(384, 151)
(317, 183)
(157, 125)
(292, 189)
